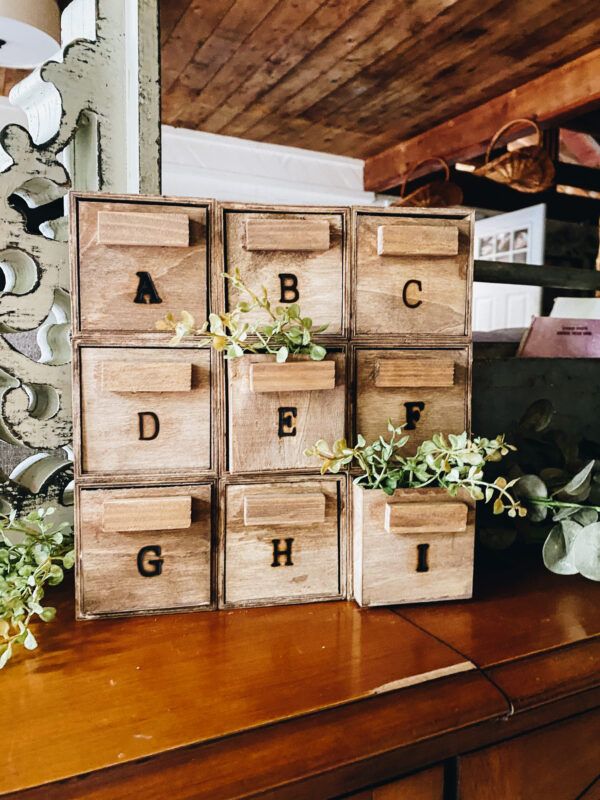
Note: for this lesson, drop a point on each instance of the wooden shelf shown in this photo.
(299, 701)
(536, 275)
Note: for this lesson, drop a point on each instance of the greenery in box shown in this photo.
(450, 462)
(282, 332)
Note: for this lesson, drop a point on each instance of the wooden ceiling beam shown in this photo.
(571, 89)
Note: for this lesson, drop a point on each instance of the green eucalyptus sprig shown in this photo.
(282, 332)
(34, 553)
(452, 463)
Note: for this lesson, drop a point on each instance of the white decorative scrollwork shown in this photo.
(93, 120)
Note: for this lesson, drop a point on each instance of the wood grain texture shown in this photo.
(153, 679)
(417, 240)
(270, 431)
(560, 761)
(315, 279)
(504, 624)
(294, 376)
(417, 294)
(427, 409)
(425, 785)
(144, 433)
(414, 371)
(149, 229)
(563, 92)
(147, 514)
(281, 507)
(424, 517)
(107, 283)
(117, 575)
(121, 377)
(387, 564)
(287, 234)
(274, 557)
(354, 78)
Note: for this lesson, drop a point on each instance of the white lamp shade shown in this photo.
(30, 32)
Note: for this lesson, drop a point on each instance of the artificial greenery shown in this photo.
(450, 462)
(558, 480)
(34, 553)
(282, 331)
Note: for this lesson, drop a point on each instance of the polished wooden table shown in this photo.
(491, 698)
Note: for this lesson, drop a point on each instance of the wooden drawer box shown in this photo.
(283, 542)
(145, 411)
(276, 411)
(412, 274)
(299, 256)
(136, 259)
(414, 546)
(144, 549)
(428, 391)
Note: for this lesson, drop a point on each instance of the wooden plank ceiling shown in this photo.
(355, 76)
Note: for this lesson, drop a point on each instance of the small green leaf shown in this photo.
(556, 551)
(282, 355)
(586, 552)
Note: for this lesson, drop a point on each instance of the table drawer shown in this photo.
(137, 259)
(144, 549)
(276, 411)
(299, 256)
(414, 546)
(145, 410)
(425, 390)
(412, 274)
(282, 542)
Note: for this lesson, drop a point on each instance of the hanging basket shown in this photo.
(528, 169)
(436, 194)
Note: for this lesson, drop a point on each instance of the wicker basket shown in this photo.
(529, 169)
(436, 194)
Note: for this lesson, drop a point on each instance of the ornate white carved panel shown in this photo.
(93, 122)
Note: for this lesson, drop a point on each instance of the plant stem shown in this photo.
(548, 501)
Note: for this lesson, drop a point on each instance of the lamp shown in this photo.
(29, 32)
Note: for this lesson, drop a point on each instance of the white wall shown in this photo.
(197, 164)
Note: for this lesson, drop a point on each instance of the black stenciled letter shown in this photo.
(146, 290)
(151, 567)
(405, 299)
(422, 565)
(148, 435)
(289, 287)
(413, 413)
(287, 421)
(280, 552)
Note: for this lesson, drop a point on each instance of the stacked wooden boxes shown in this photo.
(193, 490)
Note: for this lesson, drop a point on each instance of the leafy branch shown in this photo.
(34, 553)
(452, 462)
(282, 331)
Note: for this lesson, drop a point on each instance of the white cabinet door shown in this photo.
(516, 237)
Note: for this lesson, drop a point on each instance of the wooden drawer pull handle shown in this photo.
(298, 376)
(129, 376)
(143, 229)
(417, 240)
(147, 514)
(414, 372)
(287, 234)
(425, 517)
(284, 508)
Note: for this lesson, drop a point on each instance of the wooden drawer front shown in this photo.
(558, 762)
(416, 546)
(282, 542)
(413, 275)
(276, 410)
(425, 785)
(144, 549)
(299, 257)
(137, 260)
(425, 390)
(145, 410)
